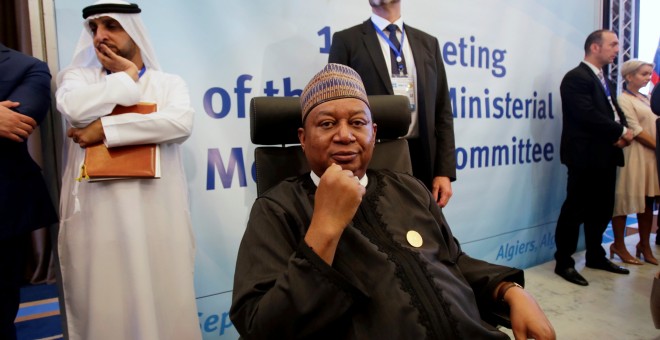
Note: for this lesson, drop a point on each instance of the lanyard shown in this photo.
(606, 86)
(398, 52)
(640, 99)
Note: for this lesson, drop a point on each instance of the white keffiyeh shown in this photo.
(84, 55)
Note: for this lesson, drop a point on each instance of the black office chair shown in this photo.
(274, 121)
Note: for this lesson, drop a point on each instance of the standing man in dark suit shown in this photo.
(410, 65)
(655, 99)
(24, 201)
(594, 132)
(655, 107)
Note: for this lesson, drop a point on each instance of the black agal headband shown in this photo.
(110, 8)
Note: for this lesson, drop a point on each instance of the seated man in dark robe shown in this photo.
(350, 253)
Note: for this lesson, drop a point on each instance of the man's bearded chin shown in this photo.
(376, 3)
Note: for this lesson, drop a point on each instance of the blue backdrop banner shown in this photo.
(504, 60)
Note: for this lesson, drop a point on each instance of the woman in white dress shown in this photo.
(637, 182)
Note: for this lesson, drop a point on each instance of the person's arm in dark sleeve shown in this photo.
(33, 93)
(339, 53)
(27, 102)
(655, 99)
(445, 158)
(510, 307)
(578, 91)
(281, 287)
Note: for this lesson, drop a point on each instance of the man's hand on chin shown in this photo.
(114, 62)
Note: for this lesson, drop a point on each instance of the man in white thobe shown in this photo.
(126, 246)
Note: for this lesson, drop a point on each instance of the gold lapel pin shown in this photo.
(414, 238)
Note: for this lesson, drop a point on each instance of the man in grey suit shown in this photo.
(394, 58)
(593, 134)
(25, 204)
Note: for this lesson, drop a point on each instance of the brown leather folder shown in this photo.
(132, 161)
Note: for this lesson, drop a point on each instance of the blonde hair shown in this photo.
(632, 66)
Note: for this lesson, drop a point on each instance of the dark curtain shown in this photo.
(8, 24)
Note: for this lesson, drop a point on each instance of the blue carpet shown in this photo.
(38, 292)
(44, 326)
(47, 327)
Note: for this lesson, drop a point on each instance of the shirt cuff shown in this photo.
(109, 131)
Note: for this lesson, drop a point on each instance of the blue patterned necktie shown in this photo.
(397, 68)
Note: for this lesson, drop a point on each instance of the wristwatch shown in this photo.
(505, 287)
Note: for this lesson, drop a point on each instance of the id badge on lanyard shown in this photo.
(616, 113)
(404, 85)
(609, 99)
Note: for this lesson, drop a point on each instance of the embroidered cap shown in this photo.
(334, 81)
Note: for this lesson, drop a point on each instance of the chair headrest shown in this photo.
(275, 120)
